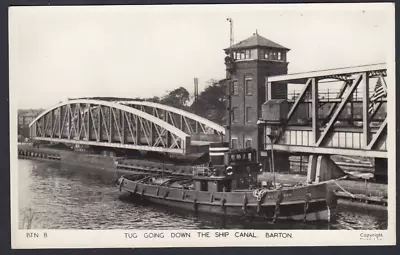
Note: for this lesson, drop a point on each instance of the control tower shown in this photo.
(248, 63)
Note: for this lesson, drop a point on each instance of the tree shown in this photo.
(211, 102)
(154, 99)
(177, 98)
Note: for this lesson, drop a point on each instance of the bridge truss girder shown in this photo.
(196, 126)
(199, 128)
(103, 123)
(322, 130)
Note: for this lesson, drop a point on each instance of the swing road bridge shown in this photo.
(125, 124)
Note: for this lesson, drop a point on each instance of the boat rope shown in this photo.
(332, 180)
(195, 206)
(223, 201)
(335, 181)
(166, 194)
(142, 194)
(259, 194)
(259, 206)
(345, 191)
(278, 202)
(244, 208)
(121, 182)
(306, 204)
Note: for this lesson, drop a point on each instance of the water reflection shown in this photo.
(67, 197)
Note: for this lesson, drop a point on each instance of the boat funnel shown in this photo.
(217, 153)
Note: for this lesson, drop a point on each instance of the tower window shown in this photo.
(235, 88)
(234, 143)
(266, 54)
(279, 56)
(248, 54)
(248, 143)
(238, 55)
(248, 87)
(234, 114)
(273, 55)
(248, 114)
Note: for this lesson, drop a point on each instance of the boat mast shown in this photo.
(272, 161)
(272, 158)
(230, 83)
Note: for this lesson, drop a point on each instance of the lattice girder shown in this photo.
(307, 126)
(103, 123)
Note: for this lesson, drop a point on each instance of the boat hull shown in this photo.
(323, 214)
(243, 204)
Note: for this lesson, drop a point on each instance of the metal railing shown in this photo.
(328, 94)
(201, 171)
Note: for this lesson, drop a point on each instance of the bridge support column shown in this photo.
(110, 125)
(100, 126)
(137, 131)
(381, 169)
(322, 168)
(312, 168)
(89, 123)
(61, 122)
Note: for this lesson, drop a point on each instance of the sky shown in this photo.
(143, 51)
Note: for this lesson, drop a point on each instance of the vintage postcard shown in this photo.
(202, 126)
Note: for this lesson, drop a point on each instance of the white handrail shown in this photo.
(200, 170)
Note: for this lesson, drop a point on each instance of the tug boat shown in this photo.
(229, 186)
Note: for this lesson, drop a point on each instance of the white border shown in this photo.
(117, 239)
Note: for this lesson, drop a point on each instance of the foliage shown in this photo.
(154, 99)
(211, 102)
(177, 98)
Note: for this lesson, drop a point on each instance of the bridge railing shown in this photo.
(327, 95)
(201, 171)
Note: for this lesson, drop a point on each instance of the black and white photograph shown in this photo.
(167, 124)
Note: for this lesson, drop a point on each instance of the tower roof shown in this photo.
(257, 40)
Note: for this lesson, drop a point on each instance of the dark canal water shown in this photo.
(54, 196)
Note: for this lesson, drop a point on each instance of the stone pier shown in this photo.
(282, 162)
(381, 169)
(322, 168)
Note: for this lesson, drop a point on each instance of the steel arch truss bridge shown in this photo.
(199, 128)
(121, 124)
(349, 121)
